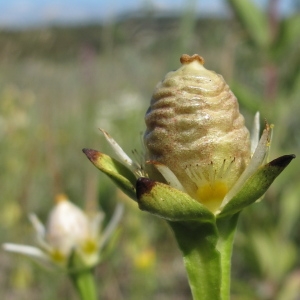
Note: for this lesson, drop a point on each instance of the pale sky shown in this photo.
(30, 12)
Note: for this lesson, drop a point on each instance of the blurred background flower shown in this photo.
(69, 230)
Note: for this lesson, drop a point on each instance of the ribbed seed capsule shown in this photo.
(195, 129)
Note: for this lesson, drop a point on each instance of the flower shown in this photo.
(198, 152)
(69, 230)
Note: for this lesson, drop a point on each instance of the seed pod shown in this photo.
(195, 129)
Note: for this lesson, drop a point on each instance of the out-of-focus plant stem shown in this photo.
(84, 282)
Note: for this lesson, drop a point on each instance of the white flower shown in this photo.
(68, 229)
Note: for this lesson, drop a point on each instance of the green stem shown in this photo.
(226, 229)
(84, 282)
(197, 242)
(207, 249)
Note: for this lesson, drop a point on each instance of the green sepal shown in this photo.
(256, 185)
(169, 203)
(118, 173)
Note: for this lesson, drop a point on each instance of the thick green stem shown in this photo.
(207, 249)
(197, 242)
(84, 282)
(226, 229)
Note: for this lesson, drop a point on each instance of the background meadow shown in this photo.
(58, 85)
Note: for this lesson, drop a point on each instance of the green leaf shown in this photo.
(169, 203)
(254, 21)
(119, 174)
(286, 49)
(256, 185)
(288, 37)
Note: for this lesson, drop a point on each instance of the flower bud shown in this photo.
(67, 229)
(195, 129)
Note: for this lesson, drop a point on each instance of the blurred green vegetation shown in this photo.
(59, 84)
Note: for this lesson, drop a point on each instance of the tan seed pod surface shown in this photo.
(194, 128)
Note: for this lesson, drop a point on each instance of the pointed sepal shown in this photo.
(256, 185)
(119, 174)
(169, 203)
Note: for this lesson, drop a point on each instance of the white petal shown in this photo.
(112, 224)
(120, 153)
(38, 225)
(255, 132)
(169, 176)
(261, 150)
(40, 231)
(27, 250)
(95, 223)
(67, 226)
(257, 160)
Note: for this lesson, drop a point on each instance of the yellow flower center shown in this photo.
(89, 246)
(145, 260)
(57, 256)
(211, 194)
(212, 183)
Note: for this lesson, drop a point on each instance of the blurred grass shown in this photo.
(58, 85)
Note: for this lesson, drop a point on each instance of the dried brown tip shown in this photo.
(143, 186)
(282, 161)
(186, 59)
(91, 154)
